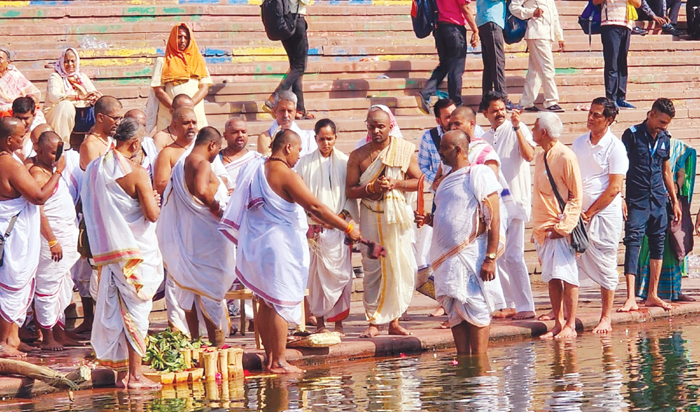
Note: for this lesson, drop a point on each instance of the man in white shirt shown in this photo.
(285, 111)
(603, 161)
(516, 149)
(542, 31)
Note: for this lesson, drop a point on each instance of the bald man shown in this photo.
(236, 154)
(380, 174)
(266, 219)
(59, 248)
(200, 261)
(467, 207)
(108, 114)
(19, 216)
(149, 152)
(184, 129)
(167, 136)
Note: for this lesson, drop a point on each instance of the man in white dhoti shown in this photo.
(330, 270)
(235, 156)
(513, 143)
(167, 136)
(19, 234)
(467, 239)
(120, 209)
(108, 114)
(603, 161)
(59, 248)
(266, 219)
(185, 131)
(380, 174)
(285, 112)
(199, 260)
(551, 225)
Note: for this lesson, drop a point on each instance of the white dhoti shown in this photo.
(125, 250)
(330, 276)
(20, 260)
(513, 272)
(330, 270)
(234, 167)
(54, 285)
(456, 252)
(272, 257)
(558, 260)
(599, 261)
(200, 261)
(389, 281)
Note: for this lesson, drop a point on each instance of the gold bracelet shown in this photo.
(370, 188)
(53, 243)
(348, 229)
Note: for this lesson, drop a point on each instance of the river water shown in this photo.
(650, 367)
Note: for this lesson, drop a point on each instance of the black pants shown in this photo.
(494, 58)
(451, 44)
(616, 44)
(650, 220)
(297, 48)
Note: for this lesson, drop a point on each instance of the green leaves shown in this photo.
(163, 350)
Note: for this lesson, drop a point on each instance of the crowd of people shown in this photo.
(193, 213)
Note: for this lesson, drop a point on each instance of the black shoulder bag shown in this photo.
(579, 237)
(4, 237)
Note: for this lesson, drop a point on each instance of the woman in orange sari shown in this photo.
(183, 70)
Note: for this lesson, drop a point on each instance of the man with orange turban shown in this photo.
(183, 70)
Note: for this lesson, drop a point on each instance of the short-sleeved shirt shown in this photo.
(597, 162)
(491, 11)
(645, 183)
(450, 11)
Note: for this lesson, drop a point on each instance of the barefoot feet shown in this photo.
(142, 382)
(655, 301)
(524, 315)
(630, 305)
(547, 316)
(604, 326)
(503, 313)
(557, 332)
(283, 368)
(438, 312)
(370, 332)
(396, 329)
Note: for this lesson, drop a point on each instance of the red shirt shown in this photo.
(450, 11)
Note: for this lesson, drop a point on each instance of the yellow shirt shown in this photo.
(546, 212)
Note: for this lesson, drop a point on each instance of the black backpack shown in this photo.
(279, 22)
(424, 16)
(692, 11)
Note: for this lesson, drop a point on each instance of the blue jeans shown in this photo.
(616, 44)
(451, 44)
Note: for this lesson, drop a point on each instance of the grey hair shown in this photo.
(127, 129)
(551, 123)
(287, 95)
(7, 52)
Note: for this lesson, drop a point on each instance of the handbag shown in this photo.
(579, 236)
(84, 119)
(4, 237)
(680, 234)
(589, 20)
(514, 30)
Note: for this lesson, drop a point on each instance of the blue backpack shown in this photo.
(515, 28)
(589, 20)
(424, 15)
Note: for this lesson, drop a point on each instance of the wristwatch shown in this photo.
(491, 256)
(516, 128)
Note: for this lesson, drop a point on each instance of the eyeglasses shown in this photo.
(116, 119)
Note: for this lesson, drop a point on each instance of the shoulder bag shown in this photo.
(579, 236)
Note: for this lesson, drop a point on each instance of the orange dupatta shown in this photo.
(181, 66)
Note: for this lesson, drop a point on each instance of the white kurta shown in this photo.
(272, 258)
(308, 137)
(54, 285)
(199, 260)
(125, 250)
(330, 270)
(234, 167)
(456, 253)
(21, 257)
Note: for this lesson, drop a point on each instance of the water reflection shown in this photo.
(646, 367)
